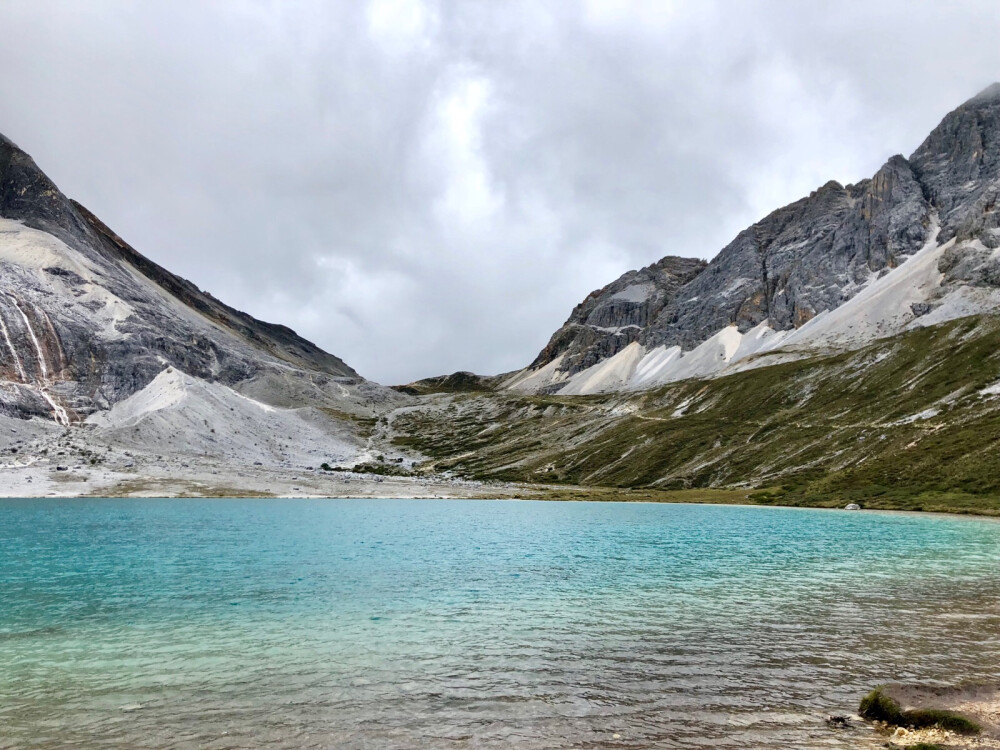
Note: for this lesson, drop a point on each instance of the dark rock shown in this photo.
(458, 382)
(958, 165)
(810, 256)
(613, 317)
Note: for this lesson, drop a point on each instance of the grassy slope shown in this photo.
(823, 431)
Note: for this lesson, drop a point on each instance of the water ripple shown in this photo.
(449, 624)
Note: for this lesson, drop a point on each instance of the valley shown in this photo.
(844, 349)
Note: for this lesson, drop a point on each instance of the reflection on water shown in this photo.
(472, 624)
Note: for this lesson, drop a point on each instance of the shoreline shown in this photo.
(40, 479)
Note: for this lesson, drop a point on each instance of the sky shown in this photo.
(426, 186)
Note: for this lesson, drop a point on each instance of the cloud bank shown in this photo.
(423, 186)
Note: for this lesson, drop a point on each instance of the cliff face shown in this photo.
(613, 317)
(807, 257)
(812, 257)
(86, 321)
(958, 167)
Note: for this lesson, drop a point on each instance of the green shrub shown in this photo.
(877, 706)
(935, 717)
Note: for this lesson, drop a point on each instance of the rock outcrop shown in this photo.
(613, 317)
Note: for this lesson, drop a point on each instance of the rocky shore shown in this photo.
(927, 717)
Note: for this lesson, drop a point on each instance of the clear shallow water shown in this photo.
(475, 624)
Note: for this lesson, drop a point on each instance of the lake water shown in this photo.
(475, 624)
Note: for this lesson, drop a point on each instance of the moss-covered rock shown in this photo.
(879, 706)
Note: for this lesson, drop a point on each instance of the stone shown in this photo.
(611, 318)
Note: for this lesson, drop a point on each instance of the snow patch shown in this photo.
(757, 339)
(682, 407)
(925, 414)
(654, 364)
(634, 368)
(531, 381)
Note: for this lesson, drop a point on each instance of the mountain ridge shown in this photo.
(118, 376)
(87, 320)
(804, 260)
(28, 195)
(872, 306)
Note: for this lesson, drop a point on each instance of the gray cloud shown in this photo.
(422, 187)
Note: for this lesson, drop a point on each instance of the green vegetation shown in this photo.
(615, 494)
(933, 717)
(346, 416)
(901, 424)
(877, 706)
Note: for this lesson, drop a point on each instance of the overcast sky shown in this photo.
(424, 186)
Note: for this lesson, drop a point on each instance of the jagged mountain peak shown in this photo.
(810, 259)
(29, 196)
(958, 166)
(612, 317)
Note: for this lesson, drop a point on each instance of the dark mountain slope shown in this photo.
(87, 320)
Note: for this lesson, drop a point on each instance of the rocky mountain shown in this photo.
(911, 246)
(95, 336)
(87, 321)
(613, 317)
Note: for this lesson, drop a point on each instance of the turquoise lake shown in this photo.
(476, 624)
